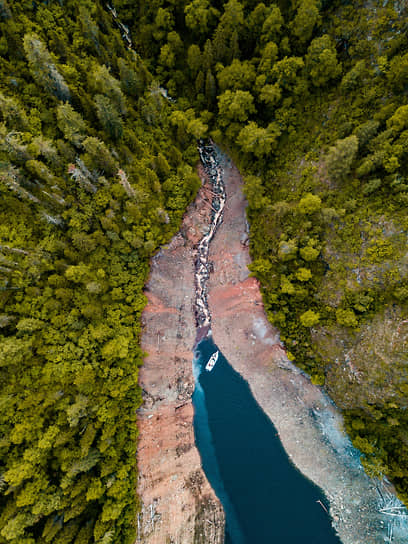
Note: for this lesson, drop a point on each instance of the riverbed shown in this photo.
(178, 504)
(265, 498)
(263, 495)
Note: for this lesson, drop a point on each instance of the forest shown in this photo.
(100, 109)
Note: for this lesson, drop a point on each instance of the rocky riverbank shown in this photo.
(309, 426)
(178, 503)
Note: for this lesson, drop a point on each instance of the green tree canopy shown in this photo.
(257, 140)
(341, 157)
(200, 16)
(235, 106)
(71, 124)
(310, 318)
(306, 19)
(321, 61)
(238, 75)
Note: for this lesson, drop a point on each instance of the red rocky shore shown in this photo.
(178, 505)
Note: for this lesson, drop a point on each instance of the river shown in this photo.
(263, 494)
(265, 497)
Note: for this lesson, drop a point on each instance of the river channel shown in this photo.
(265, 498)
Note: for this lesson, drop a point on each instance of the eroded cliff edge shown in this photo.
(178, 504)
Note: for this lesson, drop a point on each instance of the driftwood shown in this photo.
(181, 405)
(323, 506)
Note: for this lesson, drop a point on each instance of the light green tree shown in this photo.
(309, 203)
(272, 26)
(270, 94)
(285, 72)
(309, 253)
(397, 73)
(238, 75)
(235, 106)
(116, 348)
(341, 156)
(258, 140)
(13, 113)
(321, 61)
(255, 192)
(399, 120)
(303, 274)
(309, 318)
(71, 124)
(346, 317)
(306, 19)
(194, 59)
(268, 59)
(287, 286)
(287, 250)
(167, 57)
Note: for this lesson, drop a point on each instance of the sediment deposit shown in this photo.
(178, 503)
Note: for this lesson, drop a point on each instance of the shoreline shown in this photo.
(308, 423)
(178, 503)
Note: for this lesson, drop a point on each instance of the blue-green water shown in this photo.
(265, 498)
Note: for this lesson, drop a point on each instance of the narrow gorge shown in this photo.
(178, 503)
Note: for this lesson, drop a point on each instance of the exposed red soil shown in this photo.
(178, 504)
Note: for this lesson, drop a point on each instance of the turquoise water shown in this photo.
(265, 498)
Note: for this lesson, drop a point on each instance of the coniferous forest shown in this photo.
(100, 109)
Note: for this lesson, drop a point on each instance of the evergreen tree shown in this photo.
(43, 68)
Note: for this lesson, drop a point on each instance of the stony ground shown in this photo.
(178, 504)
(309, 426)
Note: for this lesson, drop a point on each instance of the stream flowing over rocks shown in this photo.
(202, 265)
(178, 504)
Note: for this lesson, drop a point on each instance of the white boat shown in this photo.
(211, 361)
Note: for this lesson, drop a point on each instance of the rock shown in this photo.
(244, 240)
(316, 445)
(167, 456)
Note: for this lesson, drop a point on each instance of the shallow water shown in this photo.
(265, 498)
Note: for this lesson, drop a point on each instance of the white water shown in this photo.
(214, 171)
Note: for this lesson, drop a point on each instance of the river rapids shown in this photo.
(202, 265)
